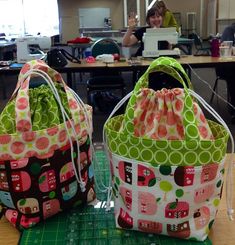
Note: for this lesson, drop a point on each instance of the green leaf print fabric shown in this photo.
(44, 109)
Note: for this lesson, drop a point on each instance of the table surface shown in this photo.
(185, 60)
(222, 233)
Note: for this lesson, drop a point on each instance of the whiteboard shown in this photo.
(92, 17)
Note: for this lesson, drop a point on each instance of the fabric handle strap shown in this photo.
(22, 109)
(189, 120)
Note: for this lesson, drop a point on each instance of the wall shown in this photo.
(69, 21)
(226, 14)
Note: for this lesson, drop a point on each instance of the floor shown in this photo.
(202, 80)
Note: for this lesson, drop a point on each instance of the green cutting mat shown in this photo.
(93, 226)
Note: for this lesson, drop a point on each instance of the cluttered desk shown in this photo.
(152, 36)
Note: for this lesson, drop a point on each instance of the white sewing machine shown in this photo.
(153, 36)
(24, 44)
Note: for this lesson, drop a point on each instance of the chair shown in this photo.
(201, 49)
(219, 76)
(100, 82)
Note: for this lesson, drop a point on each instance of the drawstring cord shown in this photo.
(65, 116)
(118, 106)
(229, 179)
(102, 189)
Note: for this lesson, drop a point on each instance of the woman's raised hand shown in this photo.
(132, 20)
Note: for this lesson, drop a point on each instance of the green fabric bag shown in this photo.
(170, 185)
(45, 153)
(44, 110)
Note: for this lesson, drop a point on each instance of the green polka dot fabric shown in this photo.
(41, 151)
(166, 126)
(167, 160)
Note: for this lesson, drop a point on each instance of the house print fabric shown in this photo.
(167, 160)
(41, 154)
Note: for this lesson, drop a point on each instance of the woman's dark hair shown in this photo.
(151, 12)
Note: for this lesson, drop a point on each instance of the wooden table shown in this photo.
(187, 61)
(222, 233)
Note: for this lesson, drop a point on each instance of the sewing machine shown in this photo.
(152, 38)
(31, 47)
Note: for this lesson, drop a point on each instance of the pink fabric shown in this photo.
(159, 115)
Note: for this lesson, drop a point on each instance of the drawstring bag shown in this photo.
(45, 138)
(167, 159)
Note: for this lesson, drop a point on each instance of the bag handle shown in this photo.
(70, 57)
(22, 109)
(72, 134)
(167, 65)
(41, 65)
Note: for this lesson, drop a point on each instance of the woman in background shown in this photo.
(168, 18)
(131, 37)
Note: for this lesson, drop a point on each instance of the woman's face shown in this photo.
(155, 21)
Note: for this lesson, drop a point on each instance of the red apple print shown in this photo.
(136, 132)
(52, 131)
(25, 84)
(25, 68)
(150, 118)
(5, 157)
(42, 68)
(42, 143)
(28, 136)
(82, 117)
(77, 129)
(58, 77)
(178, 105)
(144, 103)
(62, 136)
(22, 103)
(84, 133)
(23, 125)
(142, 130)
(180, 130)
(143, 115)
(195, 109)
(202, 118)
(203, 131)
(17, 147)
(72, 104)
(53, 148)
(177, 91)
(170, 118)
(30, 153)
(5, 139)
(162, 131)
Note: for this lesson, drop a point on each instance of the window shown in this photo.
(131, 6)
(20, 17)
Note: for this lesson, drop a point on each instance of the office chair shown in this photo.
(201, 49)
(100, 82)
(219, 76)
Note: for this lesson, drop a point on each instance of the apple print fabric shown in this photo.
(37, 176)
(169, 200)
(166, 160)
